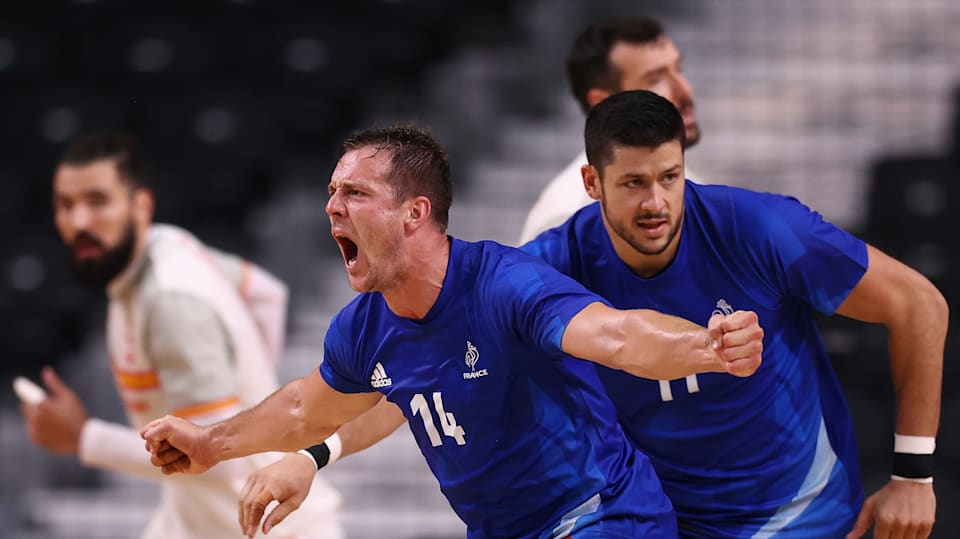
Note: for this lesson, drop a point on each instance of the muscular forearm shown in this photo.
(642, 342)
(279, 423)
(657, 346)
(916, 346)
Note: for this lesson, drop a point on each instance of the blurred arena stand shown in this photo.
(852, 106)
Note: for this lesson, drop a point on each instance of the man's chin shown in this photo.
(81, 261)
(358, 284)
(652, 247)
(92, 278)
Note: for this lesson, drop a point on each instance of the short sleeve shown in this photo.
(537, 300)
(188, 344)
(813, 260)
(340, 368)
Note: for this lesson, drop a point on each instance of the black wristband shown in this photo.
(912, 466)
(320, 454)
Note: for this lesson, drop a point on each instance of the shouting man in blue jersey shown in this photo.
(476, 343)
(772, 455)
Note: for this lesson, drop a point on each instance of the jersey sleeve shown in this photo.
(810, 258)
(341, 369)
(537, 301)
(188, 345)
(116, 447)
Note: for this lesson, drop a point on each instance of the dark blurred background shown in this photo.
(853, 106)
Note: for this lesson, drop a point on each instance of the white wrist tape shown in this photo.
(912, 479)
(336, 447)
(915, 445)
(333, 444)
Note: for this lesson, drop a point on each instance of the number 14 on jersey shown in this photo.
(419, 406)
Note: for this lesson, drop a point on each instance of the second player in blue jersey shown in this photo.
(774, 454)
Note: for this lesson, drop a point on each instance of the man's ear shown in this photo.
(143, 206)
(418, 212)
(596, 95)
(591, 181)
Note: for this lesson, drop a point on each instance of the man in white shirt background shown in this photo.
(191, 331)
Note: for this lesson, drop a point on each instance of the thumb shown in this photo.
(54, 384)
(715, 330)
(279, 513)
(864, 521)
(156, 430)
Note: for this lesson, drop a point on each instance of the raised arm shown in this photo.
(653, 345)
(916, 316)
(301, 413)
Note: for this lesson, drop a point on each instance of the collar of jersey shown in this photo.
(449, 284)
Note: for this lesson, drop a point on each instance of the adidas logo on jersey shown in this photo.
(471, 359)
(379, 377)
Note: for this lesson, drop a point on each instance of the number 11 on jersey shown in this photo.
(419, 405)
(666, 394)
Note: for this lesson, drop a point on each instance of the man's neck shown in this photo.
(119, 284)
(420, 283)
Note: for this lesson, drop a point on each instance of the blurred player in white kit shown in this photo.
(191, 331)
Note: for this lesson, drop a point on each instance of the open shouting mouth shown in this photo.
(348, 249)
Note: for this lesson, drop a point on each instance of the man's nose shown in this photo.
(335, 205)
(80, 217)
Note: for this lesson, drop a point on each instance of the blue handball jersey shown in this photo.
(769, 455)
(521, 437)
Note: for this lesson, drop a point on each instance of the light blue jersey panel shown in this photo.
(521, 437)
(769, 455)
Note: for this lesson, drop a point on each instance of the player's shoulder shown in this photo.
(493, 258)
(175, 258)
(748, 210)
(509, 272)
(582, 229)
(356, 312)
(352, 326)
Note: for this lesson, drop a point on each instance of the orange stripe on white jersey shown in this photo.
(136, 380)
(208, 407)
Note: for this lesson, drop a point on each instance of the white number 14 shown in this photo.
(418, 405)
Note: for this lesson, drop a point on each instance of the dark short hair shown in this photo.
(636, 118)
(420, 166)
(588, 64)
(121, 147)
